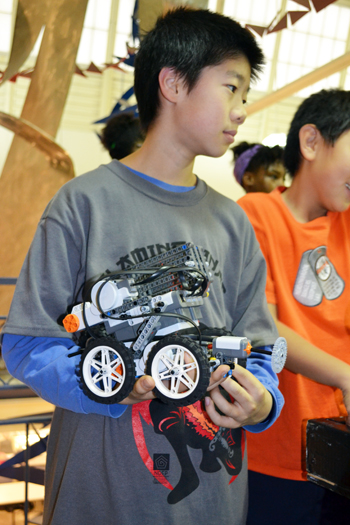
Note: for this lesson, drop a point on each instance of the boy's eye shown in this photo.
(232, 88)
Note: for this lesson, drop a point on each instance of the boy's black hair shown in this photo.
(264, 157)
(329, 111)
(121, 135)
(188, 40)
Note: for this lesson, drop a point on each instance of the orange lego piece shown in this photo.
(248, 348)
(71, 323)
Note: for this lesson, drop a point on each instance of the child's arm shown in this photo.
(43, 364)
(312, 362)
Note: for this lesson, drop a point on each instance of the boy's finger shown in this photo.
(218, 376)
(245, 378)
(221, 420)
(144, 385)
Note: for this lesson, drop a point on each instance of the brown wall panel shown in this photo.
(28, 181)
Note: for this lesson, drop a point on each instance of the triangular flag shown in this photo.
(130, 60)
(260, 30)
(27, 73)
(118, 108)
(78, 71)
(304, 3)
(131, 50)
(93, 69)
(296, 15)
(282, 24)
(321, 4)
(115, 66)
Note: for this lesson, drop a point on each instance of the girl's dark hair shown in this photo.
(121, 134)
(264, 157)
(329, 111)
(188, 40)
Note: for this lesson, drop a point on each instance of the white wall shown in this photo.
(218, 173)
(85, 149)
(87, 153)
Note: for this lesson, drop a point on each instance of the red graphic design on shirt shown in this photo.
(188, 427)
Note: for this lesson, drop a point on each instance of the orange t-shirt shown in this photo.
(308, 277)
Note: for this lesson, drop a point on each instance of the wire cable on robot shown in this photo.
(200, 284)
(126, 317)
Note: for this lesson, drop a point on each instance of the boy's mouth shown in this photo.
(230, 134)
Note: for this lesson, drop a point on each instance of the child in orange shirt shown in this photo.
(304, 233)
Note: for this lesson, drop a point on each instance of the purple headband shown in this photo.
(243, 160)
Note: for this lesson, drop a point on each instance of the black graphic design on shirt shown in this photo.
(185, 427)
(317, 278)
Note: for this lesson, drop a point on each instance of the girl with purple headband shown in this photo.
(258, 167)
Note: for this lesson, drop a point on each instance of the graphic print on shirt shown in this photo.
(317, 278)
(185, 427)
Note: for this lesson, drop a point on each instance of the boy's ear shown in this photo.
(169, 83)
(309, 138)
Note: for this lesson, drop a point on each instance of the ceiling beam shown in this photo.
(273, 72)
(344, 71)
(150, 10)
(276, 51)
(311, 78)
(107, 100)
(220, 4)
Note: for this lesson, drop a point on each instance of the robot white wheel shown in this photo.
(180, 370)
(107, 371)
(279, 355)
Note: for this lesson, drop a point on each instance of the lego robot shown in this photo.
(146, 320)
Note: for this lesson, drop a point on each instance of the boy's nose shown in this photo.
(239, 114)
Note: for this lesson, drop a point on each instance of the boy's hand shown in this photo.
(252, 402)
(142, 391)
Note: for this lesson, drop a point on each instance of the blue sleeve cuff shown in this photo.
(260, 366)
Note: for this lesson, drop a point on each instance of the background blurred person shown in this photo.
(258, 168)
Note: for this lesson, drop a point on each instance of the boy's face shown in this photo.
(209, 115)
(332, 182)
